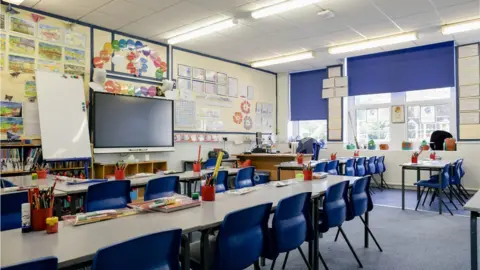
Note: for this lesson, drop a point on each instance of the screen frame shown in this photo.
(131, 149)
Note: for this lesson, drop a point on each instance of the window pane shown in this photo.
(413, 111)
(427, 114)
(361, 115)
(430, 94)
(372, 115)
(442, 110)
(375, 126)
(316, 129)
(373, 99)
(433, 117)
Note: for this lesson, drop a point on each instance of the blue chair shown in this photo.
(350, 167)
(162, 187)
(11, 209)
(154, 251)
(434, 184)
(360, 167)
(332, 167)
(108, 195)
(244, 178)
(320, 167)
(316, 151)
(6, 184)
(459, 172)
(289, 228)
(380, 170)
(221, 184)
(372, 170)
(211, 162)
(334, 213)
(239, 242)
(47, 263)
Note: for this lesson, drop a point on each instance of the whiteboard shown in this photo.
(63, 116)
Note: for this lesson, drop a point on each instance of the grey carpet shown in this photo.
(410, 240)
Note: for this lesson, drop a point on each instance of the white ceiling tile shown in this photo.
(460, 12)
(104, 20)
(383, 28)
(155, 5)
(220, 5)
(447, 3)
(418, 21)
(355, 12)
(243, 32)
(467, 37)
(30, 3)
(270, 24)
(395, 9)
(70, 8)
(125, 10)
(191, 27)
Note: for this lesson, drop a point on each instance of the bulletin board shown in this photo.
(222, 96)
(30, 41)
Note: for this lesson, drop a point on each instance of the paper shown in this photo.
(74, 70)
(222, 90)
(341, 81)
(267, 108)
(198, 87)
(242, 92)
(267, 122)
(211, 76)
(50, 33)
(75, 39)
(467, 51)
(21, 64)
(334, 106)
(184, 114)
(250, 92)
(22, 26)
(427, 114)
(372, 115)
(52, 66)
(186, 95)
(10, 109)
(470, 118)
(328, 83)
(258, 108)
(334, 72)
(341, 92)
(184, 84)
(51, 52)
(184, 71)
(232, 87)
(22, 45)
(11, 124)
(469, 132)
(31, 119)
(470, 104)
(334, 134)
(210, 88)
(258, 121)
(328, 93)
(469, 90)
(221, 78)
(199, 74)
(30, 89)
(74, 56)
(468, 70)
(334, 122)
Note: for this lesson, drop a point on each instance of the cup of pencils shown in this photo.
(208, 190)
(197, 165)
(120, 171)
(41, 170)
(300, 158)
(415, 157)
(41, 203)
(356, 153)
(333, 156)
(307, 172)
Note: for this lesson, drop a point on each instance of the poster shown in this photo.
(184, 71)
(222, 90)
(75, 56)
(52, 66)
(232, 87)
(198, 86)
(75, 70)
(184, 84)
(199, 74)
(75, 39)
(221, 78)
(2, 21)
(210, 88)
(2, 42)
(11, 124)
(30, 89)
(372, 115)
(49, 51)
(398, 114)
(22, 45)
(22, 26)
(10, 109)
(250, 92)
(21, 64)
(211, 76)
(50, 33)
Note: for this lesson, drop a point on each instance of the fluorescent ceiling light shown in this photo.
(284, 59)
(461, 27)
(203, 31)
(373, 43)
(15, 2)
(282, 7)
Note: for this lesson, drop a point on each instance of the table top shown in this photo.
(73, 245)
(474, 203)
(270, 155)
(428, 164)
(26, 180)
(223, 160)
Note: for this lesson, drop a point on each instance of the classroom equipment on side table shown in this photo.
(142, 253)
(244, 178)
(11, 205)
(48, 263)
(108, 195)
(120, 170)
(438, 138)
(52, 224)
(208, 190)
(162, 187)
(371, 145)
(406, 145)
(166, 204)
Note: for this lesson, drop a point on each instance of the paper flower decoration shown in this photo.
(247, 122)
(237, 118)
(245, 106)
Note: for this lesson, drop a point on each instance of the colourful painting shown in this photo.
(22, 45)
(2, 21)
(30, 89)
(51, 66)
(12, 124)
(75, 39)
(50, 33)
(49, 51)
(10, 109)
(22, 26)
(75, 70)
(2, 61)
(74, 56)
(2, 42)
(21, 64)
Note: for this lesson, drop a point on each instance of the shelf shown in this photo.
(9, 144)
(13, 172)
(68, 169)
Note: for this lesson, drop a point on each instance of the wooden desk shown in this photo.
(267, 162)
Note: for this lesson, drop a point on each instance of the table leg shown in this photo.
(186, 253)
(189, 189)
(204, 246)
(316, 217)
(311, 253)
(184, 166)
(278, 174)
(366, 230)
(73, 204)
(403, 188)
(58, 206)
(418, 188)
(439, 190)
(473, 239)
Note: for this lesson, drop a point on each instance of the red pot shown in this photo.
(197, 167)
(307, 175)
(39, 218)
(300, 160)
(414, 159)
(42, 174)
(119, 174)
(208, 193)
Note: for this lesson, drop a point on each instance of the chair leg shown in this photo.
(256, 265)
(323, 261)
(195, 186)
(456, 195)
(336, 236)
(350, 246)
(285, 260)
(445, 205)
(450, 200)
(371, 234)
(304, 258)
(273, 263)
(262, 261)
(460, 191)
(426, 195)
(383, 181)
(379, 186)
(467, 196)
(419, 199)
(433, 196)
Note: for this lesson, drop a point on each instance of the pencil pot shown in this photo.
(197, 167)
(333, 156)
(414, 159)
(119, 174)
(42, 174)
(208, 193)
(300, 160)
(39, 218)
(307, 175)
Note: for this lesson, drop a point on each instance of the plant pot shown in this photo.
(42, 174)
(208, 193)
(197, 167)
(307, 175)
(39, 218)
(119, 174)
(414, 160)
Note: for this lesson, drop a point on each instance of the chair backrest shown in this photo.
(381, 164)
(446, 176)
(244, 177)
(334, 206)
(221, 185)
(371, 165)
(360, 167)
(162, 187)
(462, 170)
(332, 167)
(108, 195)
(289, 223)
(5, 183)
(316, 151)
(358, 198)
(11, 209)
(211, 162)
(240, 238)
(47, 263)
(350, 167)
(455, 176)
(320, 167)
(154, 251)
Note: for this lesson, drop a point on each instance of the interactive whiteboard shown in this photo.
(63, 116)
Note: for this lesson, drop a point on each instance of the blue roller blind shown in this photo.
(306, 101)
(424, 67)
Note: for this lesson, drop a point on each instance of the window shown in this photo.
(373, 124)
(316, 129)
(430, 94)
(424, 119)
(373, 99)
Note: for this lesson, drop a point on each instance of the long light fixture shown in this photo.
(15, 2)
(284, 59)
(203, 31)
(461, 27)
(282, 7)
(373, 43)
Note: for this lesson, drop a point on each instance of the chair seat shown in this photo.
(195, 252)
(427, 183)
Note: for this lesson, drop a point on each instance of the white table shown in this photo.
(473, 205)
(77, 245)
(225, 160)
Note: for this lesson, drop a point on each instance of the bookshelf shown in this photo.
(103, 170)
(14, 156)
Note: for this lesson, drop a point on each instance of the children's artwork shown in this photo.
(46, 65)
(2, 61)
(2, 42)
(74, 56)
(232, 87)
(50, 33)
(398, 114)
(221, 78)
(210, 88)
(184, 84)
(49, 51)
(199, 74)
(11, 124)
(75, 70)
(2, 21)
(22, 45)
(198, 86)
(372, 115)
(21, 64)
(75, 39)
(30, 89)
(211, 76)
(22, 26)
(250, 92)
(222, 90)
(10, 109)
(184, 71)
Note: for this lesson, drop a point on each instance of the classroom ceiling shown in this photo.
(287, 33)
